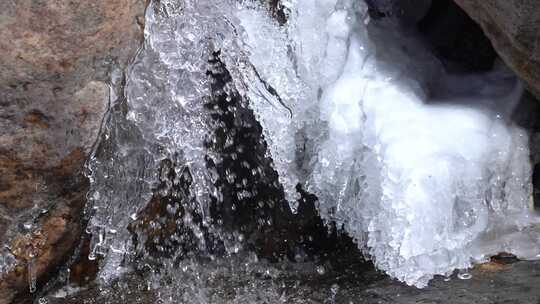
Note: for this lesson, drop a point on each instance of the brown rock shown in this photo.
(56, 60)
(513, 27)
(45, 39)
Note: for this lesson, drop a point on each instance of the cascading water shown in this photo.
(422, 168)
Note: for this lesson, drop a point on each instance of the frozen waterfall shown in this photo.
(424, 169)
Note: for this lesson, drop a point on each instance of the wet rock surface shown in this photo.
(490, 283)
(514, 28)
(54, 92)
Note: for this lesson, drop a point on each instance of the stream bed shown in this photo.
(489, 283)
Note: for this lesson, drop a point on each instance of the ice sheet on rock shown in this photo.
(163, 116)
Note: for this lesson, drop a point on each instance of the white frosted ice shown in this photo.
(423, 168)
(426, 182)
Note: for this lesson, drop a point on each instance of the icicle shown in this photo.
(31, 271)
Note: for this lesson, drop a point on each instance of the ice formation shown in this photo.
(422, 168)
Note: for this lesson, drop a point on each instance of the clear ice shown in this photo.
(422, 168)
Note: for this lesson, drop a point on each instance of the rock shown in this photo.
(456, 39)
(513, 27)
(407, 11)
(54, 93)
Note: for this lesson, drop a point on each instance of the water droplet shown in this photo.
(464, 276)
